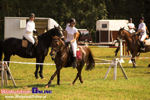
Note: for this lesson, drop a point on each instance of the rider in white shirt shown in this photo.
(30, 27)
(131, 26)
(71, 35)
(142, 31)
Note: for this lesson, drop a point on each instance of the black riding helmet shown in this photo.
(32, 15)
(72, 20)
(142, 18)
(130, 19)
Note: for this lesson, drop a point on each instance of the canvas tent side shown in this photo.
(106, 30)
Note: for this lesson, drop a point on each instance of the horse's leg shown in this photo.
(79, 69)
(37, 68)
(58, 76)
(133, 61)
(80, 77)
(75, 78)
(52, 77)
(41, 68)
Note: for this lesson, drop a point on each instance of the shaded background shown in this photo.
(86, 12)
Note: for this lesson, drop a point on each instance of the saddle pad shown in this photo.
(147, 42)
(79, 54)
(24, 43)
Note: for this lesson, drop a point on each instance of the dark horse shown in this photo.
(13, 46)
(62, 56)
(133, 44)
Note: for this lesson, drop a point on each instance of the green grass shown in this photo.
(137, 87)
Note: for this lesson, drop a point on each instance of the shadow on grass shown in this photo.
(40, 85)
(105, 57)
(26, 87)
(147, 73)
(133, 67)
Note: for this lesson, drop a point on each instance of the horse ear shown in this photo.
(55, 26)
(121, 27)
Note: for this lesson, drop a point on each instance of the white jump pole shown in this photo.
(121, 52)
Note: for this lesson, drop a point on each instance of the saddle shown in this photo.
(78, 52)
(70, 58)
(25, 42)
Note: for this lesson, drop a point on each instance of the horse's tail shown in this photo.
(1, 49)
(90, 63)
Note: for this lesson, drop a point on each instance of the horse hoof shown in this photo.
(46, 86)
(36, 77)
(42, 78)
(72, 84)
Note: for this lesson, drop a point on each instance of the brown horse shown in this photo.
(133, 44)
(62, 56)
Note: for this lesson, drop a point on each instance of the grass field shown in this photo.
(137, 87)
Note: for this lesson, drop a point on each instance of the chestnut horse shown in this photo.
(133, 44)
(62, 56)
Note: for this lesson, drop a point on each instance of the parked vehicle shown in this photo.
(84, 35)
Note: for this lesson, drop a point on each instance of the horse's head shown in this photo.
(57, 44)
(121, 33)
(56, 31)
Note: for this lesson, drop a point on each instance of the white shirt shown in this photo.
(30, 27)
(131, 26)
(142, 27)
(70, 32)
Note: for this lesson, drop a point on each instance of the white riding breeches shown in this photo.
(74, 48)
(29, 38)
(131, 30)
(143, 37)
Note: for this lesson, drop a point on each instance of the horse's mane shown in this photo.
(128, 33)
(45, 34)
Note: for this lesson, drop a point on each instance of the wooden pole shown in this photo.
(4, 69)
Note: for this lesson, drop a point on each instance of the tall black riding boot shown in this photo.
(142, 46)
(74, 62)
(29, 49)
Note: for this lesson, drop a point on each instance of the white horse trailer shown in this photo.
(15, 26)
(106, 30)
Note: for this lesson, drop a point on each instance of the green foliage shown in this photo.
(86, 12)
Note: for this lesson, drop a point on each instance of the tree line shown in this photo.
(86, 12)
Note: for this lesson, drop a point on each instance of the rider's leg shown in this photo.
(74, 48)
(30, 45)
(142, 42)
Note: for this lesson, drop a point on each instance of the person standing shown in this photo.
(131, 26)
(71, 35)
